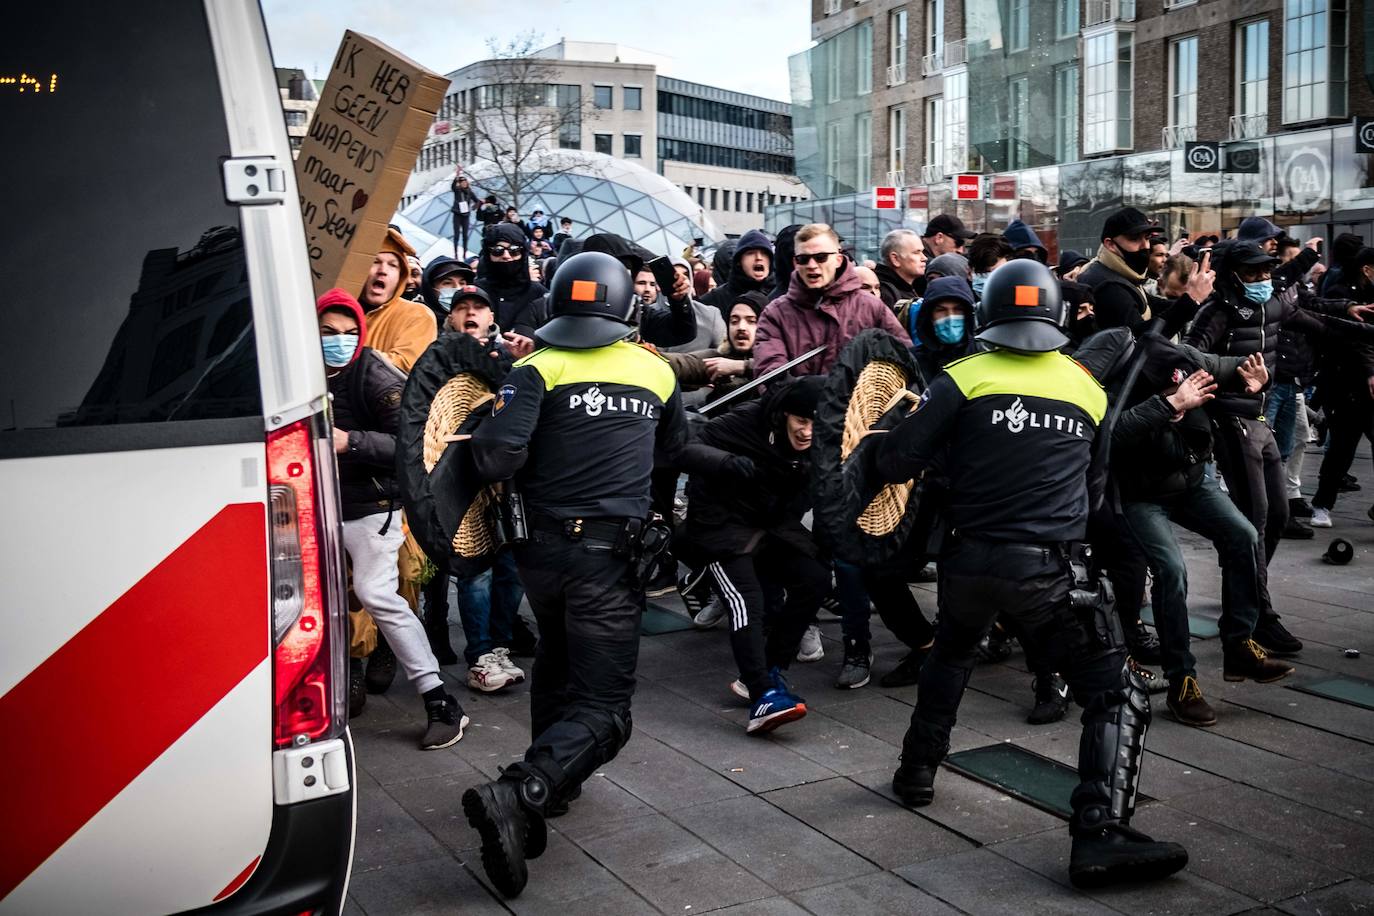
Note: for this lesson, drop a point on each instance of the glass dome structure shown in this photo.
(597, 192)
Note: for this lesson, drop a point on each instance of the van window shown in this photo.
(123, 287)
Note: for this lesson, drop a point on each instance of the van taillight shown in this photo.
(301, 631)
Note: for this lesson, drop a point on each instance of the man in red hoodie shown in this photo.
(825, 304)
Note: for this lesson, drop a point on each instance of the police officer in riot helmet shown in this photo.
(573, 429)
(1020, 422)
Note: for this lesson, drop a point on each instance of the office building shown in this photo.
(1073, 108)
(729, 151)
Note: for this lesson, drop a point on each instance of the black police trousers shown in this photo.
(1030, 584)
(584, 666)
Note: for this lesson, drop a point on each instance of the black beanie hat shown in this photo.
(800, 397)
(754, 299)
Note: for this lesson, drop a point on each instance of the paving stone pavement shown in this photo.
(1275, 804)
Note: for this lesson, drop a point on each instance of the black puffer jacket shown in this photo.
(1119, 303)
(518, 300)
(1231, 325)
(367, 405)
(726, 517)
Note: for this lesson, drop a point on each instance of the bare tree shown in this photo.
(524, 116)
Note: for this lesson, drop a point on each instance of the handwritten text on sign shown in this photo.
(375, 107)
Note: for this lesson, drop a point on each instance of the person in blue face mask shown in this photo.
(365, 394)
(1244, 316)
(441, 280)
(943, 325)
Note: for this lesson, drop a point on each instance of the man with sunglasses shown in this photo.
(1245, 316)
(825, 305)
(504, 274)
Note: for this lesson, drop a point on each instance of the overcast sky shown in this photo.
(735, 44)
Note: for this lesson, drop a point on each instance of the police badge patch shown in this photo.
(503, 397)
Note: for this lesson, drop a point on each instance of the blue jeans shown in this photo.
(487, 604)
(1282, 411)
(1207, 511)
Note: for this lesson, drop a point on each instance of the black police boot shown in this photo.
(560, 805)
(381, 667)
(1114, 853)
(1105, 849)
(495, 812)
(914, 781)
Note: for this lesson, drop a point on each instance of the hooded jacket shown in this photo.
(934, 354)
(726, 517)
(439, 268)
(1231, 325)
(517, 300)
(738, 283)
(707, 323)
(365, 403)
(803, 319)
(400, 329)
(1019, 235)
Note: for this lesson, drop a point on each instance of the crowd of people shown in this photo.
(1209, 366)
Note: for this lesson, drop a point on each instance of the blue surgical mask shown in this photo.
(446, 298)
(1259, 291)
(950, 329)
(339, 349)
(978, 281)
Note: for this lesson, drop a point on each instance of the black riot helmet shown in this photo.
(591, 300)
(1022, 309)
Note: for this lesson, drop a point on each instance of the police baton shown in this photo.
(762, 379)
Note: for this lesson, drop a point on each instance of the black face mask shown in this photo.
(509, 271)
(1137, 260)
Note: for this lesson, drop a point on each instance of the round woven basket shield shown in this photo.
(446, 502)
(868, 382)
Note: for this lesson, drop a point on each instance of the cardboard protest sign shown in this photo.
(373, 115)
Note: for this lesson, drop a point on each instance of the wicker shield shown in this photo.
(446, 502)
(868, 387)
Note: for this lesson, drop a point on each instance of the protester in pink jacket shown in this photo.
(823, 305)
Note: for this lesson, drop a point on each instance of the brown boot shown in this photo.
(1247, 659)
(1186, 703)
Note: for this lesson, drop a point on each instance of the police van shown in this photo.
(172, 619)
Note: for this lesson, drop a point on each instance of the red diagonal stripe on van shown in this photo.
(85, 723)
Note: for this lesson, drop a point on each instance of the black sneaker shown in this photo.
(1274, 636)
(1143, 645)
(1115, 853)
(1295, 530)
(494, 811)
(381, 668)
(523, 640)
(857, 667)
(914, 784)
(1349, 484)
(1299, 508)
(1051, 700)
(446, 723)
(908, 670)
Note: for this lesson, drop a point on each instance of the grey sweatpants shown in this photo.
(375, 580)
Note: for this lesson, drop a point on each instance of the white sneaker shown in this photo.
(710, 615)
(811, 649)
(488, 675)
(739, 690)
(1321, 518)
(503, 656)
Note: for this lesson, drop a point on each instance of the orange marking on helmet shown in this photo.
(1028, 295)
(583, 291)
